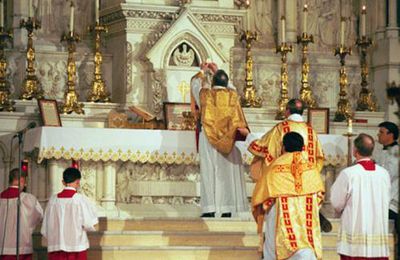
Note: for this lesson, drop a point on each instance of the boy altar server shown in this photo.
(31, 214)
(67, 218)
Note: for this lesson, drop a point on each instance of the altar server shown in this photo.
(67, 218)
(30, 215)
(361, 196)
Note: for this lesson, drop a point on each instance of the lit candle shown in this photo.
(247, 3)
(283, 30)
(350, 126)
(342, 28)
(1, 14)
(96, 10)
(30, 8)
(71, 18)
(305, 12)
(363, 14)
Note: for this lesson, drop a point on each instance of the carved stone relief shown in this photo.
(159, 89)
(88, 182)
(53, 78)
(261, 15)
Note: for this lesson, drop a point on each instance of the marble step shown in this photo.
(180, 253)
(180, 238)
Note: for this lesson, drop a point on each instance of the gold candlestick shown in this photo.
(98, 92)
(249, 98)
(5, 103)
(365, 100)
(31, 86)
(71, 103)
(283, 99)
(344, 108)
(306, 94)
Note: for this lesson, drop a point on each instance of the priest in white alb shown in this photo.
(361, 196)
(69, 215)
(30, 216)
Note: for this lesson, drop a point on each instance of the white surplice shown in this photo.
(362, 198)
(389, 159)
(30, 215)
(66, 221)
(222, 186)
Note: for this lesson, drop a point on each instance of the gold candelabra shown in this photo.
(343, 111)
(306, 94)
(365, 100)
(71, 103)
(249, 98)
(284, 49)
(31, 86)
(5, 103)
(98, 92)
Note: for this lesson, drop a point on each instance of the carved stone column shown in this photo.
(55, 178)
(392, 31)
(380, 19)
(109, 182)
(291, 20)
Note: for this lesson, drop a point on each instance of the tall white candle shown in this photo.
(283, 29)
(342, 28)
(71, 18)
(30, 11)
(1, 14)
(96, 8)
(305, 12)
(363, 25)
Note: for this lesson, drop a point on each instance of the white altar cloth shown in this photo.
(105, 144)
(137, 145)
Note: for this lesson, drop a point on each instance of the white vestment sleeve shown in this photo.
(340, 192)
(89, 214)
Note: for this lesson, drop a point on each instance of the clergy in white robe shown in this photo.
(223, 188)
(361, 195)
(68, 216)
(30, 215)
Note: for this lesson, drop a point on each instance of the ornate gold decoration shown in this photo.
(249, 98)
(344, 108)
(365, 100)
(5, 103)
(31, 86)
(188, 123)
(183, 89)
(283, 99)
(98, 92)
(306, 94)
(71, 103)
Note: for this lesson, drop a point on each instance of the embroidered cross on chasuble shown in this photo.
(293, 184)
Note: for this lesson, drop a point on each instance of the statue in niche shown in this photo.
(323, 14)
(53, 14)
(261, 20)
(184, 56)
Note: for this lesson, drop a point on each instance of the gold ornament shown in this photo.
(249, 98)
(98, 92)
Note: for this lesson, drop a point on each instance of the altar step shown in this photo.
(179, 239)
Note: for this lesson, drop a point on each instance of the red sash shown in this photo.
(66, 194)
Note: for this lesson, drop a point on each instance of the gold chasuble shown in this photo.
(269, 147)
(294, 185)
(221, 115)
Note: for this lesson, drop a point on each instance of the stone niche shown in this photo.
(178, 54)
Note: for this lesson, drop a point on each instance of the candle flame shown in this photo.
(305, 7)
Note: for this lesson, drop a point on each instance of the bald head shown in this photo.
(364, 145)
